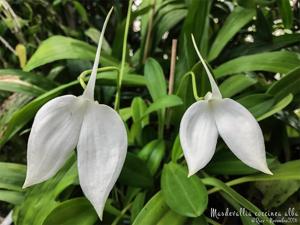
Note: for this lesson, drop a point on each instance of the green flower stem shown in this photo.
(194, 85)
(82, 77)
(237, 181)
(211, 221)
(116, 221)
(122, 68)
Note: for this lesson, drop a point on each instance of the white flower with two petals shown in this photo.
(206, 119)
(96, 129)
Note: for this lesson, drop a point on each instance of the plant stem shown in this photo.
(115, 222)
(172, 66)
(171, 79)
(149, 31)
(82, 76)
(122, 68)
(195, 91)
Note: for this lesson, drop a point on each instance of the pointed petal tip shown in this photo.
(100, 214)
(267, 171)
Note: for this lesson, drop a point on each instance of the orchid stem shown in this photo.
(194, 85)
(82, 77)
(122, 68)
(115, 222)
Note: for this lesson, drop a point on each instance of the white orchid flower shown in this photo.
(206, 119)
(97, 130)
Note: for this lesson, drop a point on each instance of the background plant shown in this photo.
(252, 47)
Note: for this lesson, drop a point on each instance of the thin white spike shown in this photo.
(90, 88)
(214, 87)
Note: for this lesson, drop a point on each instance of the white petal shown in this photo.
(214, 87)
(198, 136)
(53, 136)
(102, 150)
(241, 133)
(89, 90)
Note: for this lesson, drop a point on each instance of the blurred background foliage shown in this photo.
(252, 47)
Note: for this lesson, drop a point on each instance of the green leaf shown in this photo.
(257, 104)
(225, 162)
(155, 79)
(277, 192)
(236, 84)
(138, 107)
(94, 35)
(169, 19)
(237, 19)
(12, 197)
(177, 152)
(135, 172)
(163, 102)
(196, 22)
(286, 13)
(277, 62)
(76, 211)
(172, 218)
(153, 153)
(37, 82)
(263, 27)
(285, 171)
(60, 47)
(288, 84)
(14, 84)
(186, 196)
(137, 205)
(42, 198)
(278, 42)
(12, 176)
(238, 198)
(277, 107)
(153, 211)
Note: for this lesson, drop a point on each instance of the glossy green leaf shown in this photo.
(238, 198)
(263, 26)
(12, 197)
(135, 172)
(236, 84)
(60, 47)
(153, 153)
(285, 171)
(276, 62)
(138, 107)
(257, 104)
(237, 19)
(277, 107)
(137, 205)
(169, 19)
(153, 211)
(286, 13)
(196, 22)
(177, 151)
(12, 176)
(186, 196)
(288, 84)
(76, 211)
(278, 42)
(155, 79)
(163, 102)
(173, 218)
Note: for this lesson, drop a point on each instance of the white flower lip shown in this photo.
(204, 120)
(96, 129)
